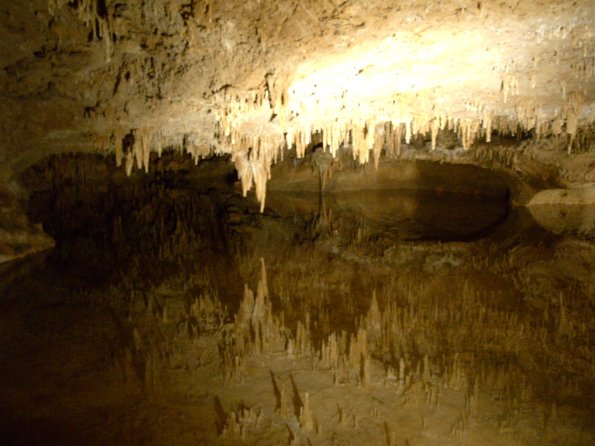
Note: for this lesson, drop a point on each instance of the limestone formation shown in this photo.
(253, 79)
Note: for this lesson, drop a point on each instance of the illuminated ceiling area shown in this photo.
(465, 75)
(254, 78)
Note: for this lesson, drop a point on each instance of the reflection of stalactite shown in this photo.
(305, 416)
(239, 422)
(255, 329)
(322, 224)
(323, 163)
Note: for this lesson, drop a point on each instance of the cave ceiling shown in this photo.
(249, 77)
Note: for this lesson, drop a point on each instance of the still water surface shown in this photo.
(93, 335)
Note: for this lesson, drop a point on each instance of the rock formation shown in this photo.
(251, 78)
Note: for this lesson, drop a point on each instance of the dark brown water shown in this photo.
(512, 299)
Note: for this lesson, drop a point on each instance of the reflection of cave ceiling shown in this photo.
(247, 76)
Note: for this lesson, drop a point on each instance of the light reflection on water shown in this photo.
(105, 319)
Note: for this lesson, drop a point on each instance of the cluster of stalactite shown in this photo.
(89, 12)
(256, 126)
(254, 150)
(298, 122)
(133, 148)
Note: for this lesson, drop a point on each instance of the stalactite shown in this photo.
(378, 144)
(129, 162)
(488, 118)
(408, 130)
(361, 150)
(399, 137)
(118, 136)
(145, 136)
(300, 111)
(573, 107)
(434, 125)
(137, 149)
(88, 13)
(159, 143)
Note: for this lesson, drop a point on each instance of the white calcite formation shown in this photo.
(252, 79)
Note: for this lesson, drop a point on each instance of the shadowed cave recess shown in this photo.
(297, 222)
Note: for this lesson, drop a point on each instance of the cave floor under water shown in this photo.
(167, 315)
